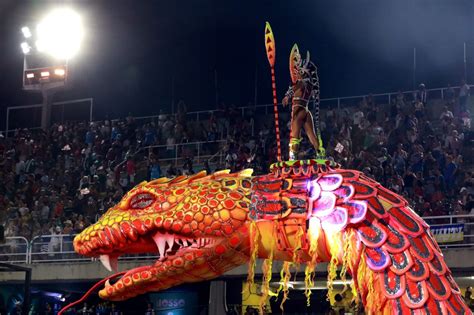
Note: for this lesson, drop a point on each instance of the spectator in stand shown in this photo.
(357, 117)
(464, 93)
(449, 94)
(188, 167)
(131, 170)
(419, 110)
(172, 171)
(446, 116)
(150, 136)
(181, 113)
(449, 173)
(422, 94)
(155, 169)
(76, 171)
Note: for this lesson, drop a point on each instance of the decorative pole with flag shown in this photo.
(270, 48)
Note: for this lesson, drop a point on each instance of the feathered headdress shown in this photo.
(302, 69)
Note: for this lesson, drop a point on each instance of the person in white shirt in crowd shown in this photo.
(357, 117)
(464, 93)
(446, 116)
(422, 94)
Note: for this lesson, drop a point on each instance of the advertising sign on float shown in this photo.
(175, 303)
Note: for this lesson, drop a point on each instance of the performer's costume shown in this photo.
(305, 88)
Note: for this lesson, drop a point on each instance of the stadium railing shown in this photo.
(59, 247)
(447, 221)
(15, 250)
(180, 152)
(339, 102)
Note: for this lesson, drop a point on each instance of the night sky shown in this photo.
(135, 50)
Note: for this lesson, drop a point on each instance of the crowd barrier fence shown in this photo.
(178, 153)
(326, 103)
(59, 247)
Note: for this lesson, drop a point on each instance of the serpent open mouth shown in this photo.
(197, 227)
(177, 254)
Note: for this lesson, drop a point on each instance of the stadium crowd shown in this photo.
(60, 181)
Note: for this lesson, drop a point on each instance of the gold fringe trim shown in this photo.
(332, 268)
(360, 276)
(255, 236)
(267, 277)
(285, 276)
(365, 279)
(346, 259)
(298, 238)
(371, 298)
(376, 293)
(310, 268)
(349, 254)
(299, 242)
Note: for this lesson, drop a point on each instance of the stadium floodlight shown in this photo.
(26, 31)
(60, 34)
(59, 72)
(25, 47)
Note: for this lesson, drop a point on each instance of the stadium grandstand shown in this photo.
(59, 181)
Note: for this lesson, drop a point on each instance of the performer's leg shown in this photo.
(309, 129)
(297, 121)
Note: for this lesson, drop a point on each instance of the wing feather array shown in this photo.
(399, 249)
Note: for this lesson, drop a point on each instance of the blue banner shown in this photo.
(448, 233)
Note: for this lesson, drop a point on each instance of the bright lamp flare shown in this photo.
(26, 31)
(59, 72)
(25, 47)
(60, 34)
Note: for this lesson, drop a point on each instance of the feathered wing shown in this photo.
(400, 257)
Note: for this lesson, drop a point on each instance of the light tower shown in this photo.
(47, 51)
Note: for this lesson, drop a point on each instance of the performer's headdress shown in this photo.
(302, 69)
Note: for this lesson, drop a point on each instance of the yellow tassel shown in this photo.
(310, 268)
(332, 272)
(298, 242)
(267, 277)
(351, 242)
(370, 292)
(308, 282)
(285, 275)
(376, 293)
(253, 255)
(362, 272)
(282, 277)
(346, 258)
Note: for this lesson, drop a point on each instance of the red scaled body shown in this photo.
(304, 211)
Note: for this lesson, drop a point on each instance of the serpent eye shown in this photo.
(141, 201)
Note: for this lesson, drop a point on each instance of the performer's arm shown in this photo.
(288, 96)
